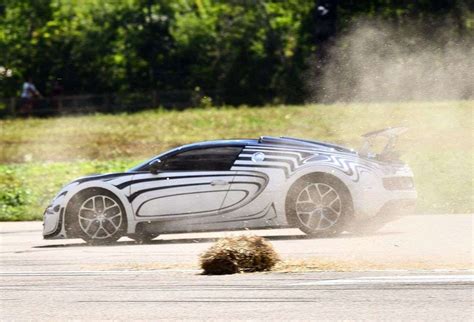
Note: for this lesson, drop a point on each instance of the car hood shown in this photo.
(102, 177)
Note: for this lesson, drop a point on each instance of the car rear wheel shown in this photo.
(99, 216)
(318, 205)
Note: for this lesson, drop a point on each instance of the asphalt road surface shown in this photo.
(416, 268)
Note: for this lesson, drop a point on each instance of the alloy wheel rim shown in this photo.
(318, 206)
(100, 217)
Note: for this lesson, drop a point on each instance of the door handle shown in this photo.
(219, 183)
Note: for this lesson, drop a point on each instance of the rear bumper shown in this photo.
(398, 207)
(374, 203)
(390, 211)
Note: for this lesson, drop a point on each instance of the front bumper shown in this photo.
(53, 223)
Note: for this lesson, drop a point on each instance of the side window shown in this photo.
(206, 159)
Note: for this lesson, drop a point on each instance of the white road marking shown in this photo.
(92, 273)
(414, 279)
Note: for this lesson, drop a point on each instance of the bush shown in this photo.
(13, 196)
(239, 254)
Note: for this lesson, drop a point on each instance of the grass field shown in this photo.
(38, 156)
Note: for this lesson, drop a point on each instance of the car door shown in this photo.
(253, 190)
(188, 184)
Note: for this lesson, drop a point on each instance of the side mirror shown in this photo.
(155, 166)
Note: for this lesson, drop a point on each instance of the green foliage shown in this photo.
(250, 52)
(14, 197)
(27, 189)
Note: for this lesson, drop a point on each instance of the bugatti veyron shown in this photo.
(272, 182)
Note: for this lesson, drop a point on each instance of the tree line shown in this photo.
(249, 51)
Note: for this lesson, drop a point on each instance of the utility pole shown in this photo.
(324, 28)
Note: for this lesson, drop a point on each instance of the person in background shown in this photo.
(28, 95)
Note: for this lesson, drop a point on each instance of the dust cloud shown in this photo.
(395, 68)
(376, 62)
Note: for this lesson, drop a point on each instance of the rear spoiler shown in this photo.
(391, 134)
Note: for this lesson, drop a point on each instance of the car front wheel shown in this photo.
(100, 216)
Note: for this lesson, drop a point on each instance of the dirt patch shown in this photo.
(295, 266)
(319, 264)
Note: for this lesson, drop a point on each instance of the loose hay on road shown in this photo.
(238, 254)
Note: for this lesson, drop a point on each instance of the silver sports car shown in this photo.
(271, 182)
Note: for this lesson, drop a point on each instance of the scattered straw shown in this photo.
(239, 254)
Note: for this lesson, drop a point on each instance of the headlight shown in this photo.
(49, 210)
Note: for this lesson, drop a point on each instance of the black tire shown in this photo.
(143, 237)
(97, 216)
(319, 205)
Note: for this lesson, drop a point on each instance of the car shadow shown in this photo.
(212, 239)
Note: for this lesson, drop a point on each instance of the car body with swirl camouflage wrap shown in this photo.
(271, 182)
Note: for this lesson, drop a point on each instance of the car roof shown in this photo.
(232, 142)
(263, 140)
